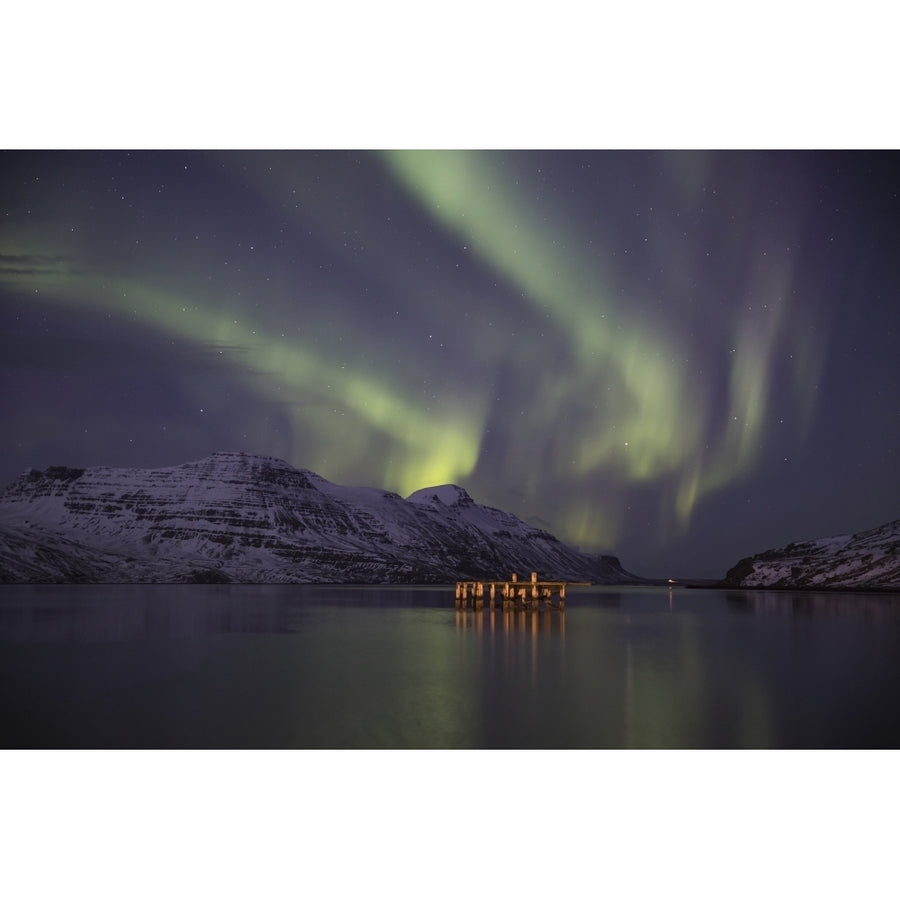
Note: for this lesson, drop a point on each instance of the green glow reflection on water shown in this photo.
(335, 667)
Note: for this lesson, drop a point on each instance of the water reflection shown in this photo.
(868, 607)
(306, 666)
(514, 637)
(523, 620)
(118, 613)
(104, 613)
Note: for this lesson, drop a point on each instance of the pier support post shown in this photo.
(516, 594)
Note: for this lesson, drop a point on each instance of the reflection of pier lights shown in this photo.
(522, 618)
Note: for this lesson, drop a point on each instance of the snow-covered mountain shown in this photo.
(246, 518)
(868, 560)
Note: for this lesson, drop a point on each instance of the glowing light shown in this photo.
(418, 447)
(656, 420)
(615, 379)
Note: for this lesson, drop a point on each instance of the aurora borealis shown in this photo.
(680, 358)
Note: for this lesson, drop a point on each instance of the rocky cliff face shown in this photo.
(868, 560)
(238, 517)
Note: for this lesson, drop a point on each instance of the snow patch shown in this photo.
(257, 519)
(447, 494)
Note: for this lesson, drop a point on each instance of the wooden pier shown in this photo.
(513, 592)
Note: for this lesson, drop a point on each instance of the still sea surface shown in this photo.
(209, 666)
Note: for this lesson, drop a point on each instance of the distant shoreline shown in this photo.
(781, 589)
(679, 585)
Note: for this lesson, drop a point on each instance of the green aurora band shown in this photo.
(620, 400)
(659, 420)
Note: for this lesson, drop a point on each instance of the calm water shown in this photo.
(200, 666)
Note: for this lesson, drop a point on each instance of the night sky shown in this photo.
(681, 358)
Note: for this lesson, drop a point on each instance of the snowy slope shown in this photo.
(239, 517)
(868, 560)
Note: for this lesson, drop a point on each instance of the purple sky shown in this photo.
(677, 357)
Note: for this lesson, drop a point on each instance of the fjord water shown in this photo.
(210, 666)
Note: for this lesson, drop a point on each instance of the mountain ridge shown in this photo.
(239, 517)
(867, 560)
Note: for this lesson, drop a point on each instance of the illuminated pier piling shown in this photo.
(513, 592)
